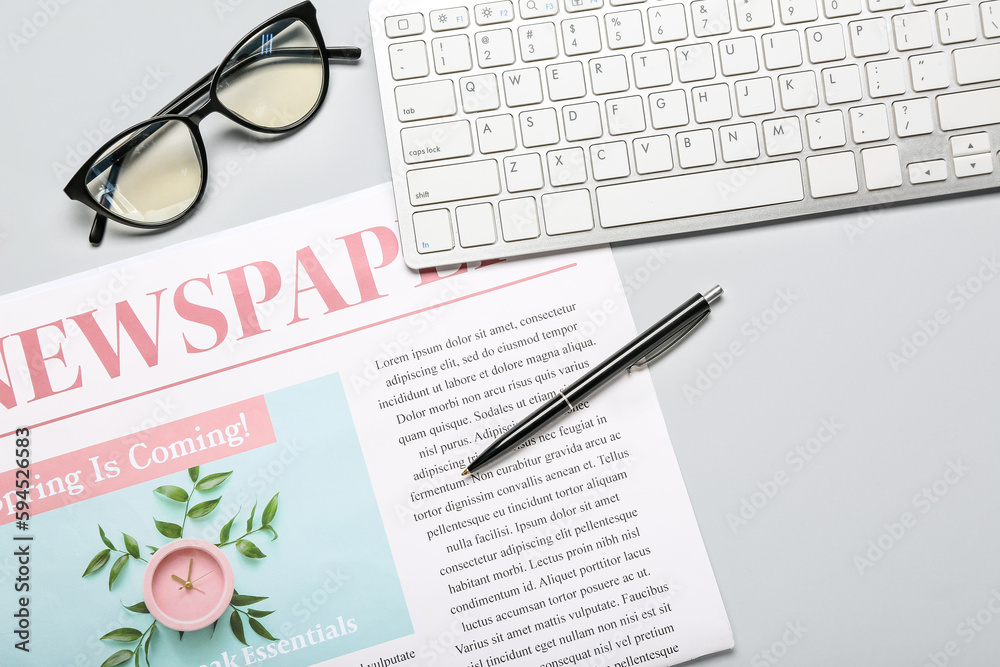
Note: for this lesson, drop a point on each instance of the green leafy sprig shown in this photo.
(243, 545)
(129, 635)
(177, 494)
(98, 562)
(236, 621)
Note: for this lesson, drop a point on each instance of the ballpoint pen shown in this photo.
(640, 351)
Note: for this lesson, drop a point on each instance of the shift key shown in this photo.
(453, 182)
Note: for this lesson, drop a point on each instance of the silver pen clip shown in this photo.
(677, 337)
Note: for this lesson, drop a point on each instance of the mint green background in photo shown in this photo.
(331, 559)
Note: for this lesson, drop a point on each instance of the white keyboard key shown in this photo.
(432, 231)
(439, 141)
(739, 142)
(881, 167)
(522, 87)
(930, 71)
(782, 136)
(781, 49)
(625, 115)
(608, 75)
(913, 31)
(581, 35)
(695, 62)
(711, 103)
(523, 172)
(538, 127)
(826, 129)
(668, 109)
(609, 160)
(927, 2)
(977, 63)
(869, 123)
(475, 225)
(479, 93)
(618, 3)
(519, 219)
(695, 148)
(449, 19)
(408, 60)
(624, 29)
(885, 5)
(582, 5)
(913, 117)
(466, 180)
(956, 24)
(825, 43)
(990, 13)
(567, 212)
(404, 25)
(832, 174)
(582, 121)
(869, 37)
(451, 54)
(754, 14)
(688, 195)
(565, 81)
(754, 97)
(797, 11)
(970, 144)
(667, 23)
(973, 165)
(798, 90)
(927, 172)
(710, 17)
(738, 56)
(837, 8)
(651, 68)
(971, 108)
(490, 13)
(886, 77)
(495, 48)
(566, 166)
(533, 9)
(842, 84)
(495, 133)
(538, 41)
(420, 101)
(652, 154)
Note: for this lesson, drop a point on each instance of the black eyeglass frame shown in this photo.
(77, 190)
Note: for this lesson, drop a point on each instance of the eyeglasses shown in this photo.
(153, 174)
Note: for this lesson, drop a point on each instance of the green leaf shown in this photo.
(97, 562)
(104, 538)
(211, 481)
(137, 656)
(180, 635)
(259, 613)
(203, 509)
(116, 570)
(152, 549)
(168, 530)
(243, 600)
(131, 545)
(269, 511)
(117, 658)
(236, 623)
(253, 510)
(249, 549)
(214, 623)
(123, 635)
(138, 608)
(273, 531)
(260, 629)
(193, 473)
(224, 533)
(172, 492)
(152, 629)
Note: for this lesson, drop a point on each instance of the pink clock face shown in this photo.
(188, 584)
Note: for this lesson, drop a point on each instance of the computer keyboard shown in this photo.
(524, 126)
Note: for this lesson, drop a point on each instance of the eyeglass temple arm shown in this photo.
(187, 98)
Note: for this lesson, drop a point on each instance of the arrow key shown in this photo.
(974, 165)
(970, 144)
(927, 172)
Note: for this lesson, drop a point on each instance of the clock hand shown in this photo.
(174, 576)
(203, 576)
(190, 568)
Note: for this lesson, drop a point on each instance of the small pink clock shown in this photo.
(188, 584)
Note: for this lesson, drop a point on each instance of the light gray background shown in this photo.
(851, 288)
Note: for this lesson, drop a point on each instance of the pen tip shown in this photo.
(713, 294)
(465, 472)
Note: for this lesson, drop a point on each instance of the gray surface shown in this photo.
(856, 296)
